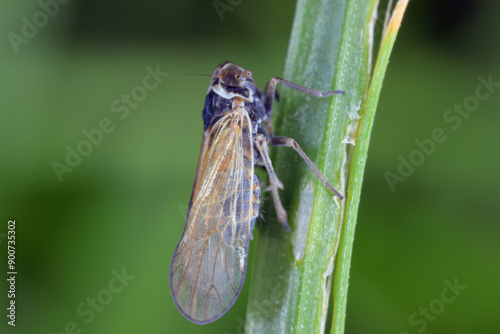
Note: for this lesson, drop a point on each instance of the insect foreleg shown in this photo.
(271, 92)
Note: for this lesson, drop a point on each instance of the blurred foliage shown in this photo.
(124, 205)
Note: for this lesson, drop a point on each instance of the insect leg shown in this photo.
(285, 141)
(274, 182)
(270, 93)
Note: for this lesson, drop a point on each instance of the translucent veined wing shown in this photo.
(209, 264)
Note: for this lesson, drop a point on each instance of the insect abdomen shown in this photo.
(256, 200)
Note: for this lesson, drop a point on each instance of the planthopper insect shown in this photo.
(209, 264)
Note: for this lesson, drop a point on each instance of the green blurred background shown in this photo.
(122, 208)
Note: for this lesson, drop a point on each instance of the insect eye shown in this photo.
(231, 79)
(246, 75)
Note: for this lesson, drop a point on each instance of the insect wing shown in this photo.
(209, 264)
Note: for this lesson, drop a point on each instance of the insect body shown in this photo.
(209, 264)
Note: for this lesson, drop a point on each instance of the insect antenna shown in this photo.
(198, 75)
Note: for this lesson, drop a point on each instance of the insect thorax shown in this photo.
(217, 106)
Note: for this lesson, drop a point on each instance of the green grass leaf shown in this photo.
(330, 48)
